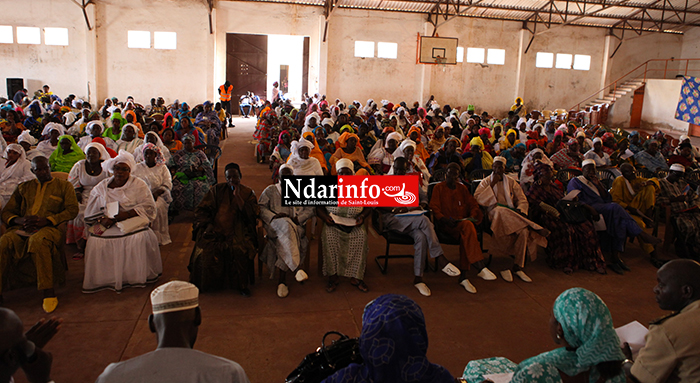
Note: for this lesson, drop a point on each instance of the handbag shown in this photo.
(572, 212)
(327, 359)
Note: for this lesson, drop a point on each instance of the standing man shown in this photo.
(672, 349)
(275, 91)
(225, 92)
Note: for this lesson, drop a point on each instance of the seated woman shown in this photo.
(590, 351)
(527, 172)
(344, 247)
(94, 130)
(300, 162)
(651, 158)
(46, 147)
(152, 169)
(567, 158)
(601, 158)
(415, 135)
(281, 152)
(623, 154)
(446, 154)
(101, 141)
(121, 251)
(129, 139)
(225, 235)
(685, 156)
(173, 144)
(415, 165)
(570, 246)
(186, 128)
(316, 151)
(116, 123)
(477, 158)
(66, 155)
(436, 142)
(14, 170)
(192, 176)
(508, 141)
(84, 176)
(152, 138)
(350, 149)
(130, 117)
(381, 156)
(556, 144)
(393, 322)
(286, 234)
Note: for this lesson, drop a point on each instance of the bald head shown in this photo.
(678, 284)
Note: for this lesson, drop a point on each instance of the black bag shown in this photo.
(327, 359)
(572, 212)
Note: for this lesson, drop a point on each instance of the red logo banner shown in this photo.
(378, 191)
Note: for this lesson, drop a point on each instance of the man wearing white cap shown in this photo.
(683, 139)
(618, 223)
(683, 204)
(507, 207)
(175, 321)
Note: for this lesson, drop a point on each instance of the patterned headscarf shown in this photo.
(393, 345)
(159, 153)
(540, 169)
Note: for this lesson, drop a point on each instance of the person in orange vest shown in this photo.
(225, 92)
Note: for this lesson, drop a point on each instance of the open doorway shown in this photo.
(255, 62)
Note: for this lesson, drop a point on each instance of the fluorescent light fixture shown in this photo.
(165, 40)
(496, 56)
(364, 48)
(544, 60)
(387, 50)
(475, 55)
(139, 39)
(582, 62)
(56, 36)
(28, 35)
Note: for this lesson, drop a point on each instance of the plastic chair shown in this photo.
(438, 175)
(644, 173)
(661, 173)
(565, 175)
(606, 177)
(392, 237)
(479, 174)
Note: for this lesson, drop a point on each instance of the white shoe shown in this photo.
(523, 276)
(486, 274)
(451, 270)
(507, 275)
(468, 286)
(282, 290)
(423, 289)
(301, 276)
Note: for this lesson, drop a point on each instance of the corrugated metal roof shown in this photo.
(652, 15)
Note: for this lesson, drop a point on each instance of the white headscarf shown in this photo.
(399, 152)
(104, 155)
(344, 163)
(303, 167)
(123, 157)
(53, 126)
(92, 124)
(393, 136)
(26, 137)
(529, 163)
(136, 131)
(16, 148)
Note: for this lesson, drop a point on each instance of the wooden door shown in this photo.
(246, 65)
(637, 103)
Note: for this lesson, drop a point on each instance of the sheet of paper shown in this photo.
(412, 213)
(112, 209)
(344, 221)
(499, 378)
(470, 219)
(571, 195)
(627, 154)
(632, 333)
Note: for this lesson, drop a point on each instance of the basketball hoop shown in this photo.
(442, 62)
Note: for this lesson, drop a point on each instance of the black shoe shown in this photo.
(657, 262)
(245, 292)
(616, 268)
(623, 265)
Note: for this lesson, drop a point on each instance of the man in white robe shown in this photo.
(507, 207)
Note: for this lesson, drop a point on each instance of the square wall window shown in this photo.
(460, 54)
(6, 36)
(165, 40)
(139, 39)
(56, 36)
(364, 48)
(387, 50)
(28, 35)
(544, 60)
(582, 62)
(475, 55)
(564, 60)
(496, 56)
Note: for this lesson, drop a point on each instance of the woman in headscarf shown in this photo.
(101, 141)
(508, 141)
(129, 140)
(438, 139)
(367, 138)
(311, 122)
(52, 131)
(192, 176)
(14, 169)
(301, 162)
(26, 141)
(153, 170)
(171, 142)
(66, 155)
(381, 156)
(395, 323)
(168, 121)
(281, 152)
(601, 158)
(477, 158)
(153, 138)
(527, 172)
(84, 176)
(568, 157)
(134, 257)
(556, 144)
(518, 107)
(350, 149)
(188, 129)
(316, 150)
(116, 122)
(447, 154)
(622, 154)
(414, 134)
(415, 165)
(344, 247)
(570, 246)
(130, 117)
(93, 130)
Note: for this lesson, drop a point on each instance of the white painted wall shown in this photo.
(660, 102)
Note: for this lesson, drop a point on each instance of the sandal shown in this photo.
(331, 286)
(362, 286)
(78, 256)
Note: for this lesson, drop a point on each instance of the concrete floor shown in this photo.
(269, 336)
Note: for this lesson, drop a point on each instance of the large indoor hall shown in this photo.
(444, 190)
